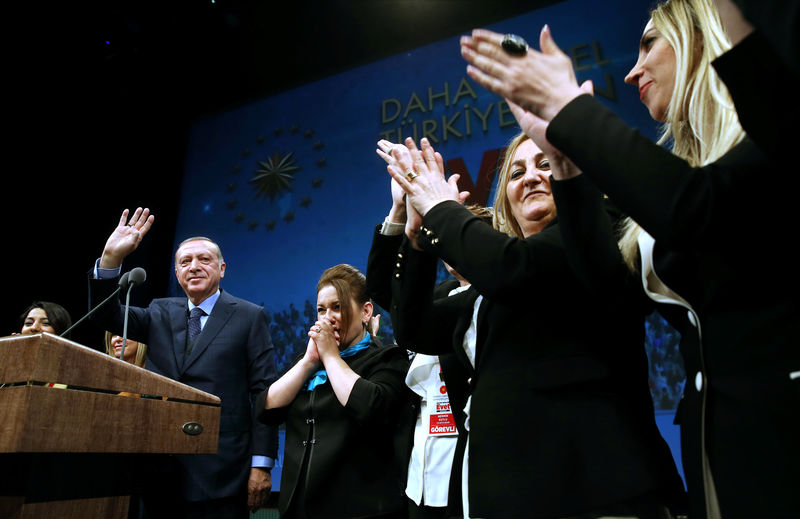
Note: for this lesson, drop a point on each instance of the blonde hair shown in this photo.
(503, 219)
(701, 122)
(485, 214)
(141, 350)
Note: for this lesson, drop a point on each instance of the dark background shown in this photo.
(101, 97)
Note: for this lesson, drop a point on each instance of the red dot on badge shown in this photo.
(443, 389)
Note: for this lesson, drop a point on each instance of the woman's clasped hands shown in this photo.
(323, 340)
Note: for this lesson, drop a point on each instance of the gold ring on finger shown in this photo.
(411, 174)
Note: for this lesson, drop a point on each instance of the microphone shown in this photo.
(124, 280)
(135, 277)
(123, 283)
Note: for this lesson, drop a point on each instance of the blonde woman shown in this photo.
(714, 215)
(559, 419)
(135, 352)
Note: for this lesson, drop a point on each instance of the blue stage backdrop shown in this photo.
(290, 185)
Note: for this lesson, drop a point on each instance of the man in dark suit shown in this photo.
(214, 342)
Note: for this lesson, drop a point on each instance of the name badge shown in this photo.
(442, 422)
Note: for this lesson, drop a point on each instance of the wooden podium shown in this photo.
(74, 421)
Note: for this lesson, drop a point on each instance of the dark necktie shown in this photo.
(194, 322)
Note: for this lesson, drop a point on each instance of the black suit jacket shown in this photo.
(777, 21)
(385, 258)
(561, 419)
(384, 261)
(232, 359)
(767, 115)
(733, 266)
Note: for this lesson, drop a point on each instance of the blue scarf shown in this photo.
(321, 376)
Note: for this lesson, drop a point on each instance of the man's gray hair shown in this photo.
(200, 238)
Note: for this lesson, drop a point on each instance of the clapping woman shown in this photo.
(559, 417)
(708, 240)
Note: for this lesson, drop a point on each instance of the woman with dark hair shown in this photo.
(44, 316)
(718, 264)
(559, 418)
(342, 403)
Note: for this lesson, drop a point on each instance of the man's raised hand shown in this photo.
(126, 237)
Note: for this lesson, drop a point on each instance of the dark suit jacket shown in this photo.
(561, 419)
(733, 266)
(385, 257)
(340, 460)
(232, 359)
(777, 21)
(767, 115)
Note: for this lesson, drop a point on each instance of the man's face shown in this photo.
(198, 269)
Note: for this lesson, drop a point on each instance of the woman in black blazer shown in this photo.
(714, 217)
(342, 403)
(560, 418)
(434, 480)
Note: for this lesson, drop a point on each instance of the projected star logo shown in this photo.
(274, 175)
(277, 194)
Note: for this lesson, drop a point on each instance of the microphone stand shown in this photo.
(123, 282)
(125, 322)
(137, 276)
